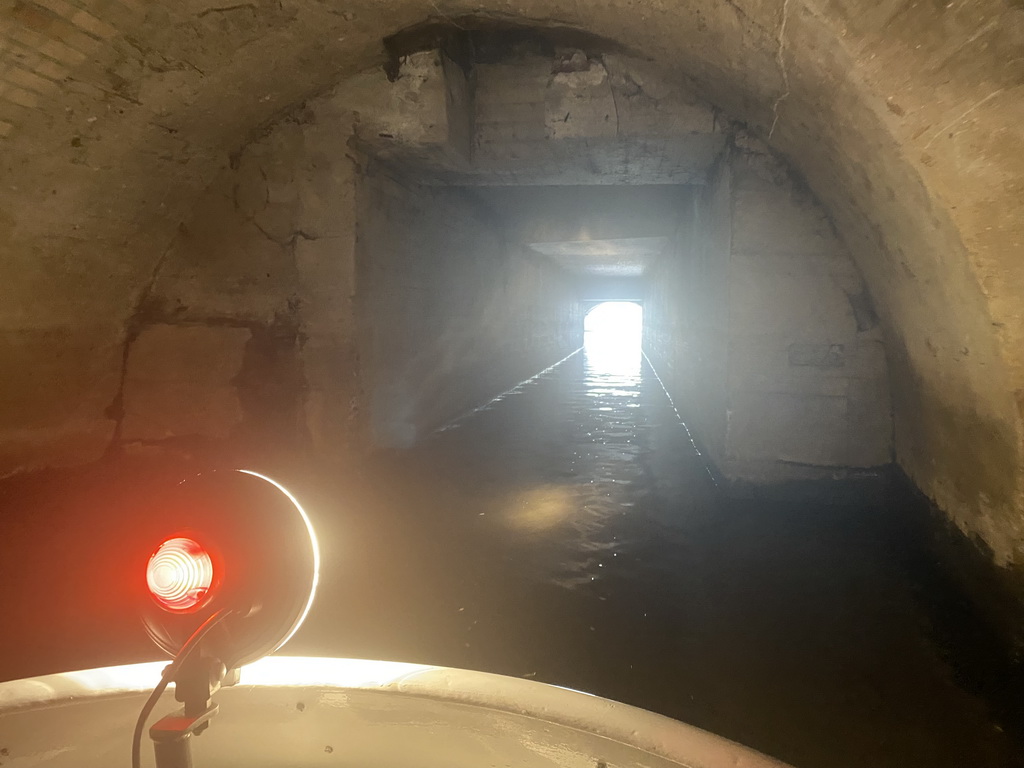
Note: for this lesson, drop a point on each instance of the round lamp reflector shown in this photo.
(258, 560)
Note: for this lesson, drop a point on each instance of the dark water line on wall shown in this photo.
(458, 420)
(675, 410)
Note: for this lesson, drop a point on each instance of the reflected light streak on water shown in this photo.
(580, 513)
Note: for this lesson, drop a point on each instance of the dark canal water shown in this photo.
(571, 533)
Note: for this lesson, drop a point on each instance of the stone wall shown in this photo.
(454, 314)
(761, 326)
(686, 315)
(265, 327)
(808, 378)
(246, 336)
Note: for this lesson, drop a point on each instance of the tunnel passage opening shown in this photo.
(612, 336)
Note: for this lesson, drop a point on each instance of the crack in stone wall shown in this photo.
(781, 56)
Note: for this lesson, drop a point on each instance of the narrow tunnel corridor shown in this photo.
(374, 251)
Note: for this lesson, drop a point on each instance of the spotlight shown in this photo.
(230, 581)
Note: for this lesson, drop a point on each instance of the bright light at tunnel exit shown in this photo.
(612, 334)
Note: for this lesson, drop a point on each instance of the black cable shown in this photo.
(168, 674)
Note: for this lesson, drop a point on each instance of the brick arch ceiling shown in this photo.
(906, 118)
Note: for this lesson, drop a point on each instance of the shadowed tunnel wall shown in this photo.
(904, 119)
(454, 314)
(760, 326)
(307, 302)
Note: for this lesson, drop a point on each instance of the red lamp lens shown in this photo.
(179, 574)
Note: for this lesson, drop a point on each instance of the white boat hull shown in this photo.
(290, 711)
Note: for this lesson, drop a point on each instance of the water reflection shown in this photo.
(539, 509)
(571, 522)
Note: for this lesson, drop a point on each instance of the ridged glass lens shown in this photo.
(179, 575)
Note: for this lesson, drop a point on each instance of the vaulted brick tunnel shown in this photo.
(117, 115)
(287, 227)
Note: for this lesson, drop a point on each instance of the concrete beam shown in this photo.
(537, 120)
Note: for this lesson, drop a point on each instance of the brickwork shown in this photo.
(43, 42)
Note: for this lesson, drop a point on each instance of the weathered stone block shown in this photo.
(771, 218)
(803, 390)
(794, 296)
(326, 269)
(649, 104)
(870, 422)
(511, 83)
(803, 429)
(55, 387)
(326, 203)
(58, 374)
(223, 266)
(412, 110)
(817, 355)
(580, 105)
(333, 399)
(179, 382)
